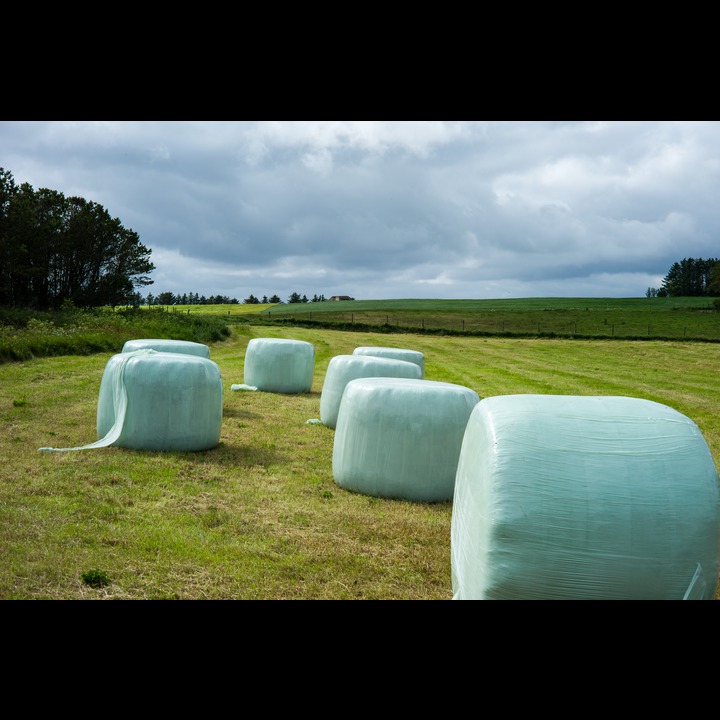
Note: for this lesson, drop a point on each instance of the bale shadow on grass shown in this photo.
(232, 412)
(224, 453)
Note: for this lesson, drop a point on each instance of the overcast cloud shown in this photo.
(392, 209)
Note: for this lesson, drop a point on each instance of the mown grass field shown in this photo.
(260, 516)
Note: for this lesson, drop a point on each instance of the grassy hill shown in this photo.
(628, 318)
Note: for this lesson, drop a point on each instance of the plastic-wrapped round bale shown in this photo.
(569, 497)
(279, 365)
(414, 356)
(177, 346)
(343, 368)
(401, 437)
(151, 400)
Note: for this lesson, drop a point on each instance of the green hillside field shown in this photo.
(630, 318)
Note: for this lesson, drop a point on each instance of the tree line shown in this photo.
(691, 277)
(169, 298)
(55, 249)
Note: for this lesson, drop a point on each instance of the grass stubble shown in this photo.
(260, 516)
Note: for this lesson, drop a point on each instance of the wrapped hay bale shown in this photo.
(176, 346)
(344, 368)
(160, 401)
(413, 356)
(568, 497)
(152, 400)
(401, 437)
(279, 365)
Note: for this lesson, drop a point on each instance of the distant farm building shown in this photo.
(341, 297)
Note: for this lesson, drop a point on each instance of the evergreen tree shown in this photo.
(690, 277)
(713, 286)
(165, 298)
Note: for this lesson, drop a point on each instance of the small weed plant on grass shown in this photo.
(95, 578)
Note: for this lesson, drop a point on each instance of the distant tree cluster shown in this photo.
(294, 298)
(691, 277)
(168, 298)
(297, 298)
(55, 249)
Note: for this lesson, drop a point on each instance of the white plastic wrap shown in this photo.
(343, 368)
(279, 365)
(177, 346)
(569, 497)
(414, 356)
(401, 437)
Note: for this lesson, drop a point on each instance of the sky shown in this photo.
(391, 209)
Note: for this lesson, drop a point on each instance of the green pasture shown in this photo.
(514, 304)
(628, 318)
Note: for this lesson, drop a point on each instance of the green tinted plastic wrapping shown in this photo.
(279, 365)
(177, 346)
(401, 437)
(414, 356)
(343, 368)
(568, 497)
(160, 401)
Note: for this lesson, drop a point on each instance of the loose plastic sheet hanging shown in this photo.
(343, 368)
(406, 354)
(279, 365)
(151, 400)
(569, 497)
(162, 345)
(401, 437)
